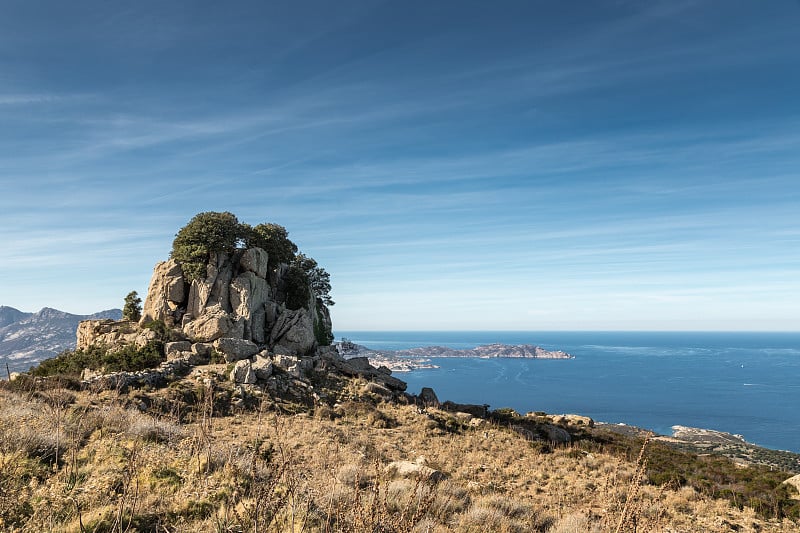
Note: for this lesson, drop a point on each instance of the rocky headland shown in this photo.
(420, 358)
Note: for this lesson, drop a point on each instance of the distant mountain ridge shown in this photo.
(27, 338)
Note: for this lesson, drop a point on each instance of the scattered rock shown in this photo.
(243, 372)
(417, 470)
(556, 434)
(360, 367)
(428, 397)
(262, 367)
(178, 346)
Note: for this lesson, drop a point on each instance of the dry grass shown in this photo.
(75, 461)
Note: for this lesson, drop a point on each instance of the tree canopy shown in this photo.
(274, 239)
(319, 281)
(207, 233)
(213, 232)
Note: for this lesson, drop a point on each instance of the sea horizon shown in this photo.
(742, 383)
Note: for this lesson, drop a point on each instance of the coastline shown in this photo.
(410, 359)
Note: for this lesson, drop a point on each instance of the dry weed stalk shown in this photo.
(631, 509)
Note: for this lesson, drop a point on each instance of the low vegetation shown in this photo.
(99, 357)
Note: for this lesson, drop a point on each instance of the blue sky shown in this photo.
(532, 165)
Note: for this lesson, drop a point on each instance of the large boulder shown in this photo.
(293, 333)
(243, 372)
(114, 335)
(235, 349)
(418, 470)
(556, 434)
(428, 397)
(177, 347)
(262, 366)
(165, 294)
(214, 290)
(249, 295)
(212, 324)
(793, 481)
(255, 260)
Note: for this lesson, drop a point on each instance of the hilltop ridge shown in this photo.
(28, 338)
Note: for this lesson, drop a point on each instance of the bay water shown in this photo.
(740, 383)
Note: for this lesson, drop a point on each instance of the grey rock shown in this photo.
(212, 324)
(166, 292)
(249, 295)
(284, 361)
(179, 346)
(255, 260)
(243, 372)
(428, 397)
(293, 332)
(262, 366)
(235, 349)
(417, 470)
(556, 434)
(202, 348)
(359, 366)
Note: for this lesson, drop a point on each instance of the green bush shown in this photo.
(96, 357)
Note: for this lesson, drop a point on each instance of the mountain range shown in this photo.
(27, 338)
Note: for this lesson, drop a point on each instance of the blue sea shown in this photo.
(740, 383)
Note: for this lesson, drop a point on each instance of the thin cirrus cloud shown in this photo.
(452, 166)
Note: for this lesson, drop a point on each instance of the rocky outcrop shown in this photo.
(212, 324)
(114, 334)
(243, 372)
(239, 298)
(428, 397)
(293, 333)
(165, 294)
(360, 367)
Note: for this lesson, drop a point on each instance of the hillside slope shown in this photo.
(28, 338)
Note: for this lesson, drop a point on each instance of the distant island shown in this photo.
(419, 358)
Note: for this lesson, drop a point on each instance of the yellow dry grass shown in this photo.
(77, 462)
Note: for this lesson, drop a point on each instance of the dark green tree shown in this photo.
(132, 310)
(207, 233)
(297, 288)
(319, 281)
(274, 239)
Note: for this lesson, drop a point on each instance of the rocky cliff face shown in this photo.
(239, 298)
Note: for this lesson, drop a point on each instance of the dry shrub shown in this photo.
(353, 475)
(480, 518)
(152, 429)
(573, 523)
(450, 499)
